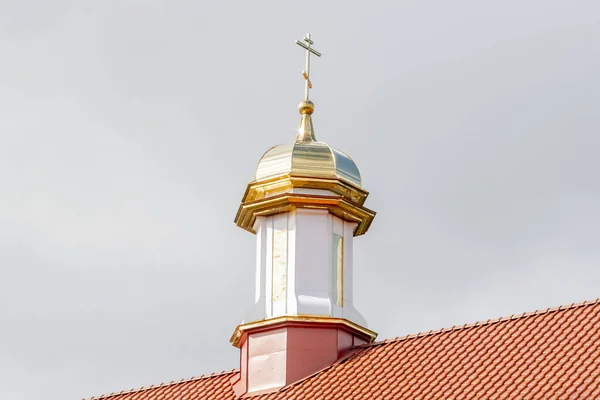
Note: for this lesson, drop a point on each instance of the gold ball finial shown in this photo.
(306, 107)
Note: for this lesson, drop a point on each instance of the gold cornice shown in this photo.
(366, 333)
(336, 205)
(260, 189)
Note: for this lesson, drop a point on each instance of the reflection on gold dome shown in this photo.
(306, 174)
(307, 157)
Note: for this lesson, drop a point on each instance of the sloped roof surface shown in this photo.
(552, 354)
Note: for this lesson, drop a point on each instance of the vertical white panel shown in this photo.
(261, 233)
(280, 264)
(330, 223)
(312, 261)
(337, 231)
(269, 266)
(291, 307)
(262, 305)
(338, 225)
(312, 258)
(348, 261)
(330, 229)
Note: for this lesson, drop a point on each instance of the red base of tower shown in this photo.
(278, 352)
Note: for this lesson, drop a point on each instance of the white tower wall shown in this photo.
(296, 264)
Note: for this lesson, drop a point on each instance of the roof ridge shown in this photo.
(483, 323)
(175, 382)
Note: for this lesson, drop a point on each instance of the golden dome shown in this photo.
(305, 174)
(307, 157)
(325, 178)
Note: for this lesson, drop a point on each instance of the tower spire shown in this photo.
(306, 131)
(305, 207)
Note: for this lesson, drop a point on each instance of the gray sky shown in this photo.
(129, 130)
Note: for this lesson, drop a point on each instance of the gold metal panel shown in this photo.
(312, 159)
(276, 161)
(345, 167)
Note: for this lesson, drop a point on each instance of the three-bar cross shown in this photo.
(306, 72)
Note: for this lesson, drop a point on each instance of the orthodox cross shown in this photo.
(306, 72)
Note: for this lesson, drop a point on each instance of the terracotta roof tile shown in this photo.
(548, 354)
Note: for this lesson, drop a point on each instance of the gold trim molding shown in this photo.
(260, 189)
(336, 205)
(236, 337)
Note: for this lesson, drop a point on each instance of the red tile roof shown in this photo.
(551, 354)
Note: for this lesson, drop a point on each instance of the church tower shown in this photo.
(305, 207)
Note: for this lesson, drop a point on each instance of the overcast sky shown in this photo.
(130, 129)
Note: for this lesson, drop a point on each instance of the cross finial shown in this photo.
(306, 72)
